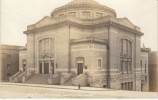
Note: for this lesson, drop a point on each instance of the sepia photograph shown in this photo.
(92, 49)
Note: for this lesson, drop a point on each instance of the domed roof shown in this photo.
(83, 2)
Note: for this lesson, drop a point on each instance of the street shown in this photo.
(12, 90)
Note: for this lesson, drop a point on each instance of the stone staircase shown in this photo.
(81, 79)
(12, 78)
(38, 79)
(66, 79)
(54, 79)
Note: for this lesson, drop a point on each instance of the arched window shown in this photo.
(125, 56)
(46, 46)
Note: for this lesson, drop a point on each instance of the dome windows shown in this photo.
(72, 14)
(98, 15)
(79, 6)
(86, 15)
(83, 14)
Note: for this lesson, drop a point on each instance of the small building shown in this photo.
(9, 61)
(153, 72)
(144, 67)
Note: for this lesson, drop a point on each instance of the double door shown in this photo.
(46, 68)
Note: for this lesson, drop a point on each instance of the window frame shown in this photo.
(86, 14)
(98, 14)
(126, 46)
(73, 14)
(99, 67)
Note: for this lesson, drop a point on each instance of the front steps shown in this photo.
(38, 79)
(81, 80)
(66, 79)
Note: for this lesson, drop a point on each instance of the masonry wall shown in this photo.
(144, 70)
(91, 53)
(9, 61)
(116, 78)
(61, 36)
(31, 52)
(153, 72)
(22, 57)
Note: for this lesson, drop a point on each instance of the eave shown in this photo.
(90, 24)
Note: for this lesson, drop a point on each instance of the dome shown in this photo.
(75, 7)
(92, 2)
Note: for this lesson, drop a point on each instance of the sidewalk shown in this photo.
(57, 86)
(53, 91)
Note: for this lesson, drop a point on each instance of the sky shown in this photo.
(17, 14)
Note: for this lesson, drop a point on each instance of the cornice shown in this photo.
(89, 40)
(89, 24)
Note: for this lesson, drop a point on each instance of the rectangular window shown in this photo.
(141, 64)
(125, 47)
(121, 66)
(98, 15)
(73, 14)
(129, 49)
(121, 47)
(99, 63)
(131, 85)
(125, 67)
(86, 15)
(130, 67)
(145, 68)
(126, 87)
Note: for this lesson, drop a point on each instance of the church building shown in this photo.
(84, 43)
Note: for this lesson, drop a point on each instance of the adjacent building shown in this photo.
(153, 72)
(85, 43)
(144, 64)
(9, 61)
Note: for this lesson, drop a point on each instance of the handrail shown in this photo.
(21, 74)
(69, 78)
(15, 75)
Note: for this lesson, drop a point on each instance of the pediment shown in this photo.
(44, 22)
(126, 22)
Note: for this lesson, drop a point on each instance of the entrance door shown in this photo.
(40, 68)
(46, 68)
(80, 68)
